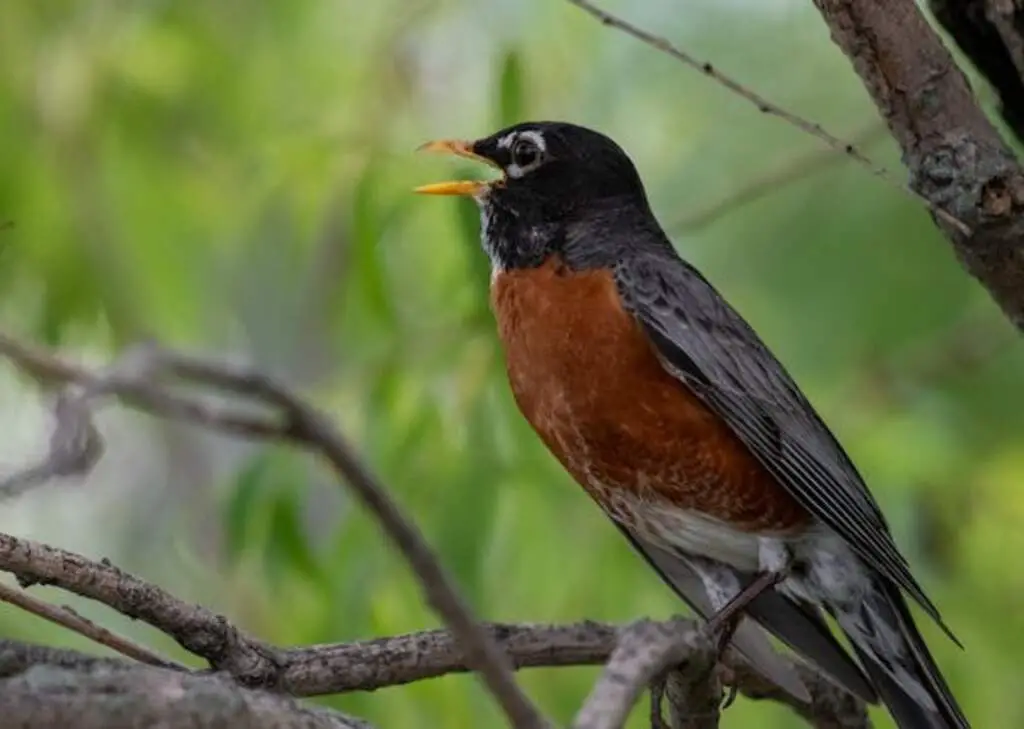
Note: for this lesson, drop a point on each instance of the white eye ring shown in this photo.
(524, 153)
(526, 150)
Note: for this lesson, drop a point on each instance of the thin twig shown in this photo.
(140, 384)
(48, 369)
(763, 105)
(772, 181)
(195, 628)
(68, 618)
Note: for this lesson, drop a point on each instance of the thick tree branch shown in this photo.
(955, 156)
(50, 689)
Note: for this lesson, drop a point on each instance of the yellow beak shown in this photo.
(459, 187)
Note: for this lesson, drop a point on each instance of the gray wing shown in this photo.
(802, 630)
(701, 340)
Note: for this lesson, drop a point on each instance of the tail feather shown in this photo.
(898, 662)
(802, 628)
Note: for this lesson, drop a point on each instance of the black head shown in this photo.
(556, 177)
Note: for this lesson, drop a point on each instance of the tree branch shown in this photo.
(136, 379)
(46, 689)
(956, 158)
(374, 664)
(68, 618)
(142, 377)
(773, 180)
(644, 651)
(959, 166)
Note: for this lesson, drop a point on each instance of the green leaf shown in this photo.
(368, 226)
(464, 540)
(287, 548)
(479, 274)
(242, 512)
(510, 89)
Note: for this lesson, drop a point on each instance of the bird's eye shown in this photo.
(524, 153)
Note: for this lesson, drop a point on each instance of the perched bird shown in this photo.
(669, 410)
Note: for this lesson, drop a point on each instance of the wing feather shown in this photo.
(702, 341)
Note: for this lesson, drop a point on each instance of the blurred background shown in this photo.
(235, 179)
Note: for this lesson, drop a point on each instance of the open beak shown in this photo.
(458, 187)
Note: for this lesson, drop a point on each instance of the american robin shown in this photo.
(669, 410)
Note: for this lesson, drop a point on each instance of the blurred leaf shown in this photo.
(243, 511)
(479, 275)
(287, 549)
(263, 513)
(510, 86)
(464, 532)
(368, 225)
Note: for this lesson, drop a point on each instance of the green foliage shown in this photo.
(240, 181)
(511, 90)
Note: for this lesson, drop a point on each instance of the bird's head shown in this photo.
(555, 177)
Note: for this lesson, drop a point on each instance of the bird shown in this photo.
(669, 410)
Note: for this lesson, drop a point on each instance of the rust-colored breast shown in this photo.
(588, 381)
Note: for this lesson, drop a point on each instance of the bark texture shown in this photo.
(45, 688)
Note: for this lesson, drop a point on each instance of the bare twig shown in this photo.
(644, 651)
(49, 370)
(296, 422)
(772, 181)
(68, 618)
(197, 629)
(763, 105)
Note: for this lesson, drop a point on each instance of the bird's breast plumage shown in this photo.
(584, 375)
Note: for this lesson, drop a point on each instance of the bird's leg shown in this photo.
(775, 562)
(727, 617)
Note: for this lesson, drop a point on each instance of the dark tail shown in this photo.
(802, 629)
(896, 659)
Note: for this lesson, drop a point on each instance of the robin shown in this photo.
(669, 410)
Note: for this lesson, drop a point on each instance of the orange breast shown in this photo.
(586, 378)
